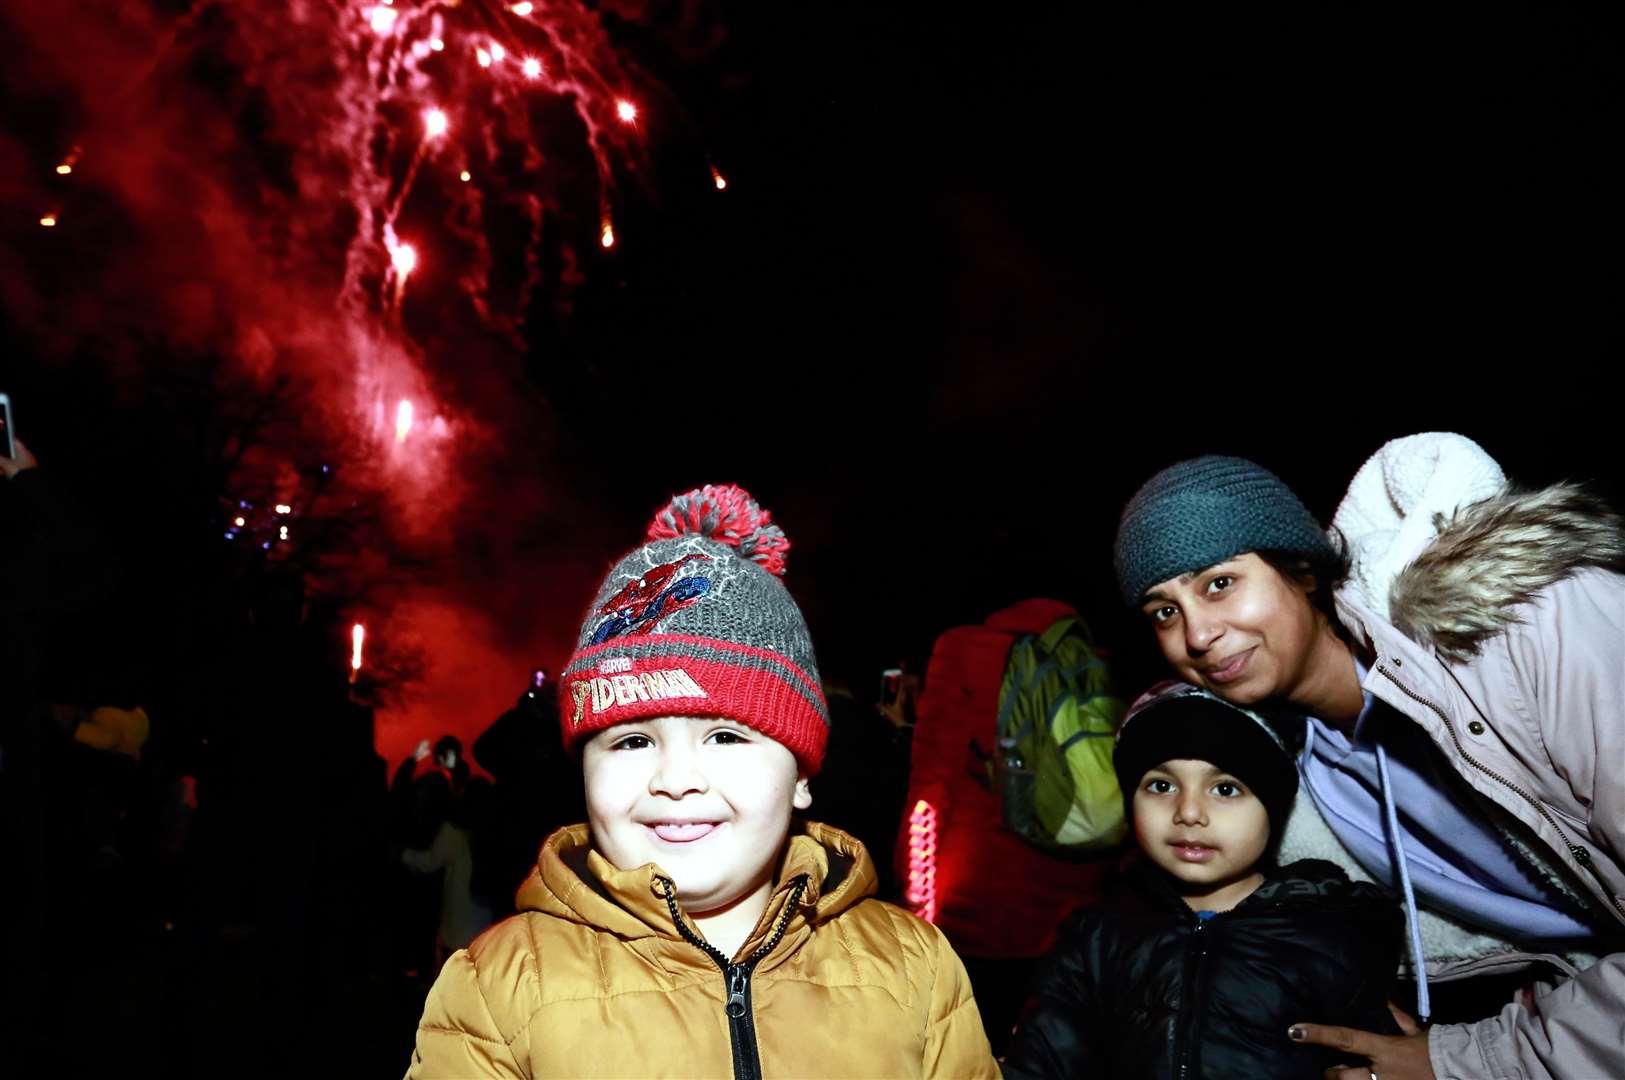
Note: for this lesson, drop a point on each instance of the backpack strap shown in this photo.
(1062, 627)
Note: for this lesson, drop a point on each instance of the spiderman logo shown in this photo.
(636, 608)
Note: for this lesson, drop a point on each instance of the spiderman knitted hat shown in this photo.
(697, 623)
(1204, 511)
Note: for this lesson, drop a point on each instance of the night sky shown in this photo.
(978, 272)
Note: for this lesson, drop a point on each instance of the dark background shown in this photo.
(978, 273)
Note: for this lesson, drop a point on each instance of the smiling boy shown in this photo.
(1197, 964)
(690, 928)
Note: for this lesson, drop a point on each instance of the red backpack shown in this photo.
(991, 893)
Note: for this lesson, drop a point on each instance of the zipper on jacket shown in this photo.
(736, 979)
(1182, 1023)
(1580, 854)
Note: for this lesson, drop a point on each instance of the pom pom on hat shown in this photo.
(726, 513)
(696, 621)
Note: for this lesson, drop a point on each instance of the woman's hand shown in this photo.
(1393, 1057)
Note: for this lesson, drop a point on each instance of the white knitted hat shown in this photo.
(1398, 498)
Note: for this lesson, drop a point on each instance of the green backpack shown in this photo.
(1057, 727)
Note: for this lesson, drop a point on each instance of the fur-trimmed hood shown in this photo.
(1494, 555)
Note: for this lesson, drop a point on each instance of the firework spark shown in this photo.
(349, 197)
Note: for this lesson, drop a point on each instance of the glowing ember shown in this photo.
(403, 421)
(436, 44)
(626, 110)
(239, 522)
(358, 635)
(64, 168)
(465, 176)
(435, 122)
(497, 51)
(719, 179)
(283, 533)
(524, 7)
(383, 19)
(49, 220)
(608, 238)
(405, 258)
(532, 67)
(483, 57)
(283, 508)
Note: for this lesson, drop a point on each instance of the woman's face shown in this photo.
(1239, 628)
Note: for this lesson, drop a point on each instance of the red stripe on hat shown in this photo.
(614, 646)
(760, 698)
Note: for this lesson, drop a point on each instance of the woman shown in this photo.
(1464, 731)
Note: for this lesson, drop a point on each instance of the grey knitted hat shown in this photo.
(1204, 511)
(697, 623)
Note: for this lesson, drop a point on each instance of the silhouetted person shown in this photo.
(538, 789)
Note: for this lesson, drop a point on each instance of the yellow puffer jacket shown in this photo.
(593, 979)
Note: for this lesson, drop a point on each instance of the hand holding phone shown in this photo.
(8, 445)
(14, 455)
(891, 684)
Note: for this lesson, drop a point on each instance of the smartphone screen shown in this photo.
(7, 446)
(891, 681)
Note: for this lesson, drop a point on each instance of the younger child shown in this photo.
(689, 929)
(1208, 952)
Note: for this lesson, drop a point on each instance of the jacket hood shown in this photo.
(571, 881)
(1495, 555)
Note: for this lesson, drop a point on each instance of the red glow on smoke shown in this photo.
(341, 250)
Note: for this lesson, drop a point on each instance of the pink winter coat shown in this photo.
(1512, 659)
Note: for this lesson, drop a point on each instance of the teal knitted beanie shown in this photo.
(1204, 511)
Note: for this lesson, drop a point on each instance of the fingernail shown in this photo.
(1295, 1033)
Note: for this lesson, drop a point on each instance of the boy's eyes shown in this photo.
(721, 737)
(1224, 789)
(1162, 614)
(1220, 583)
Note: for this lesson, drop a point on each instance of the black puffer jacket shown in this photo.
(1139, 987)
